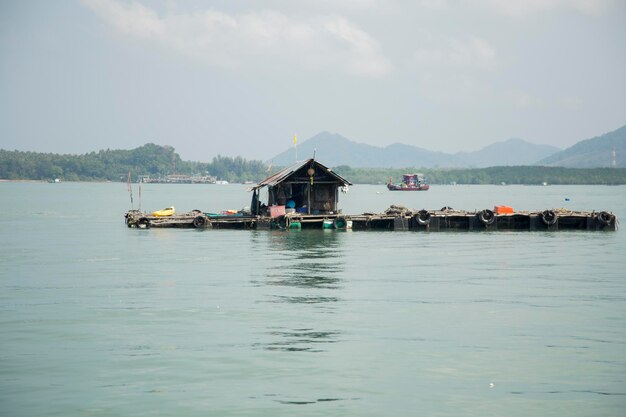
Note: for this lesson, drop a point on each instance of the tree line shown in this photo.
(114, 165)
(527, 175)
(158, 161)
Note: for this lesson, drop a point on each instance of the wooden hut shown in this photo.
(306, 187)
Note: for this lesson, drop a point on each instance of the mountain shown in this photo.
(596, 152)
(336, 150)
(510, 152)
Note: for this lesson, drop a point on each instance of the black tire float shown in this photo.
(199, 222)
(548, 217)
(486, 217)
(422, 217)
(605, 218)
(143, 223)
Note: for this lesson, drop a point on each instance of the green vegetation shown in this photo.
(235, 169)
(158, 161)
(114, 165)
(530, 175)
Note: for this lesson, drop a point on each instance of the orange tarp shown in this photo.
(503, 209)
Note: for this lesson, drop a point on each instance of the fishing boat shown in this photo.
(410, 182)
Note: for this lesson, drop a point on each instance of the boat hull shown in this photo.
(166, 212)
(422, 187)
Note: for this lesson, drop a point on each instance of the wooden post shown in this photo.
(400, 223)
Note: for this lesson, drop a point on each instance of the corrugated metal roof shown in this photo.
(283, 174)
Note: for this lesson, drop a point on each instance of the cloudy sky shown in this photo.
(240, 77)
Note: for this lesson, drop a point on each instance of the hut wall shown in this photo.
(323, 198)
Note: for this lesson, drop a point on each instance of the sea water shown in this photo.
(97, 319)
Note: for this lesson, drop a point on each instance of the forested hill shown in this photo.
(606, 150)
(114, 165)
(526, 175)
(158, 161)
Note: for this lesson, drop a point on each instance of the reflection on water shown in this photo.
(304, 259)
(307, 244)
(304, 299)
(319, 400)
(299, 340)
(305, 274)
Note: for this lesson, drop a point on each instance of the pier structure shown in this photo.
(306, 194)
(395, 218)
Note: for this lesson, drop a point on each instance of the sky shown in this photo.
(241, 77)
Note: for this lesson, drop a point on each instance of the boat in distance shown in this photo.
(410, 182)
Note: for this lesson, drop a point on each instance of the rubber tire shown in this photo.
(199, 222)
(487, 217)
(422, 217)
(548, 217)
(604, 218)
(143, 223)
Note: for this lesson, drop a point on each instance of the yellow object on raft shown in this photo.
(165, 212)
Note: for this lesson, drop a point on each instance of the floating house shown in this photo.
(306, 195)
(306, 187)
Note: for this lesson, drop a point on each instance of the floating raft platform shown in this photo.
(394, 218)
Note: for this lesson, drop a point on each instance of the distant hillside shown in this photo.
(157, 161)
(114, 165)
(336, 150)
(529, 175)
(592, 153)
(512, 152)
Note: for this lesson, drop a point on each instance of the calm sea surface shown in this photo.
(100, 320)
